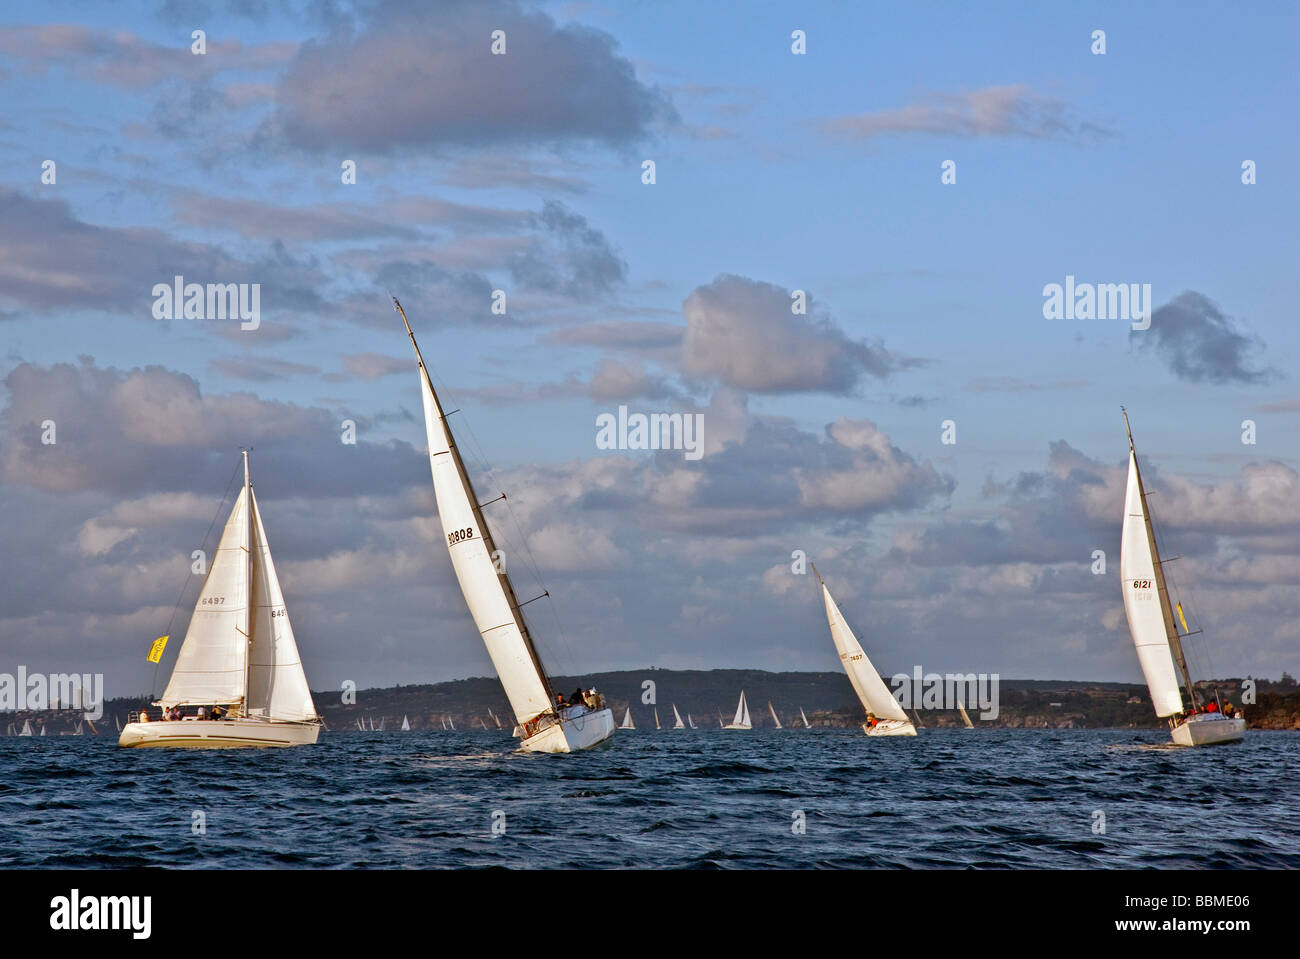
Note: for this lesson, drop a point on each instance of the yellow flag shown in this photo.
(156, 650)
(1182, 617)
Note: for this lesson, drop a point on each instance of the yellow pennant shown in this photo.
(1182, 617)
(156, 650)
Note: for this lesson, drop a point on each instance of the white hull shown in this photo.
(217, 734)
(572, 735)
(890, 727)
(1206, 729)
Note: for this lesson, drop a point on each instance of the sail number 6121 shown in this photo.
(1142, 584)
(459, 535)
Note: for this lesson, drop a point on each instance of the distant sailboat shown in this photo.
(43, 728)
(360, 725)
(677, 719)
(406, 724)
(1151, 622)
(627, 720)
(656, 717)
(742, 715)
(806, 724)
(871, 689)
(482, 723)
(451, 724)
(494, 717)
(964, 717)
(773, 712)
(491, 598)
(444, 724)
(27, 728)
(690, 722)
(239, 652)
(117, 720)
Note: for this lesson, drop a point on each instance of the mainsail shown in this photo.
(1146, 599)
(627, 720)
(677, 719)
(773, 712)
(484, 583)
(871, 689)
(806, 724)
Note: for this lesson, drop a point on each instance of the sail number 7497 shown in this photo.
(459, 535)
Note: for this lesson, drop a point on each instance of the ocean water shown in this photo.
(684, 799)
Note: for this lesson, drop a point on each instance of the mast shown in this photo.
(502, 576)
(1166, 609)
(248, 597)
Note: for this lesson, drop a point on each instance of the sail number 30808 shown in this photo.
(459, 535)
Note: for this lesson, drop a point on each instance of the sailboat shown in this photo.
(871, 689)
(27, 728)
(444, 724)
(690, 722)
(773, 712)
(961, 708)
(494, 717)
(742, 715)
(239, 652)
(482, 723)
(117, 720)
(361, 725)
(43, 729)
(627, 720)
(806, 724)
(677, 720)
(406, 724)
(451, 724)
(1151, 622)
(545, 725)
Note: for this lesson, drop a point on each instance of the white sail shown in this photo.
(964, 717)
(773, 712)
(277, 685)
(677, 719)
(627, 720)
(444, 724)
(741, 720)
(27, 728)
(406, 724)
(1142, 601)
(656, 717)
(866, 682)
(494, 718)
(691, 722)
(486, 589)
(211, 665)
(806, 724)
(451, 723)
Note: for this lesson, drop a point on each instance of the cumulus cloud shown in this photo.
(1000, 111)
(424, 76)
(743, 333)
(1200, 343)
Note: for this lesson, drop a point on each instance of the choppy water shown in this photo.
(949, 798)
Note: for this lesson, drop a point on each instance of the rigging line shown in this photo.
(204, 542)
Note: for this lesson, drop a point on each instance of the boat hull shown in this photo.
(890, 727)
(572, 735)
(1208, 729)
(217, 734)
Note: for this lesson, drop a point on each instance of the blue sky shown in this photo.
(1124, 167)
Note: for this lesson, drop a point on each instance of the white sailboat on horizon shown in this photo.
(1150, 613)
(494, 717)
(677, 719)
(742, 715)
(406, 724)
(965, 718)
(545, 726)
(872, 692)
(27, 728)
(656, 717)
(239, 653)
(806, 724)
(627, 720)
(691, 722)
